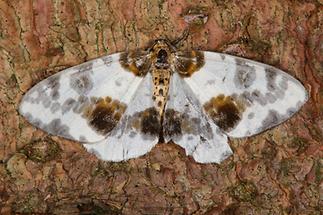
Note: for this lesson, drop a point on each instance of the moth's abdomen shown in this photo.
(161, 79)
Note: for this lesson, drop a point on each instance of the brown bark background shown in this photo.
(277, 172)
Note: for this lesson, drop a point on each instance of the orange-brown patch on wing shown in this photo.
(187, 63)
(136, 61)
(103, 114)
(225, 111)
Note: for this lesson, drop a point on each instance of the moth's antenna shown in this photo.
(179, 40)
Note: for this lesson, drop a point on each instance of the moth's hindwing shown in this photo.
(244, 97)
(138, 130)
(82, 103)
(187, 125)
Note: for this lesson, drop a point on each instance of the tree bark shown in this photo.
(277, 172)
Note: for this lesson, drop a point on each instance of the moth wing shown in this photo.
(136, 133)
(187, 125)
(82, 103)
(244, 97)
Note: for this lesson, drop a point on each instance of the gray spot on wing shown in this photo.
(55, 107)
(83, 138)
(34, 121)
(46, 101)
(210, 82)
(245, 74)
(81, 83)
(57, 128)
(53, 83)
(284, 83)
(255, 96)
(291, 111)
(251, 115)
(272, 119)
(247, 98)
(271, 75)
(81, 103)
(270, 97)
(107, 60)
(118, 83)
(132, 134)
(248, 133)
(68, 105)
(258, 96)
(54, 94)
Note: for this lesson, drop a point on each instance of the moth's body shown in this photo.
(161, 71)
(120, 105)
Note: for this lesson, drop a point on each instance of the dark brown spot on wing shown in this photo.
(150, 122)
(186, 63)
(172, 123)
(147, 122)
(135, 61)
(225, 111)
(104, 114)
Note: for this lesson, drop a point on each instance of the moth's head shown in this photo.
(162, 44)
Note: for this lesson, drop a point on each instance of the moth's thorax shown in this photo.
(161, 55)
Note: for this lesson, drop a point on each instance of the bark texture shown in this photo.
(277, 172)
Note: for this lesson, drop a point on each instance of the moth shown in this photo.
(121, 105)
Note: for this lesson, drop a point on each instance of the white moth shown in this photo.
(120, 106)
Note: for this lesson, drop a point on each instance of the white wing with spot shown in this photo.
(57, 104)
(187, 125)
(264, 95)
(128, 140)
